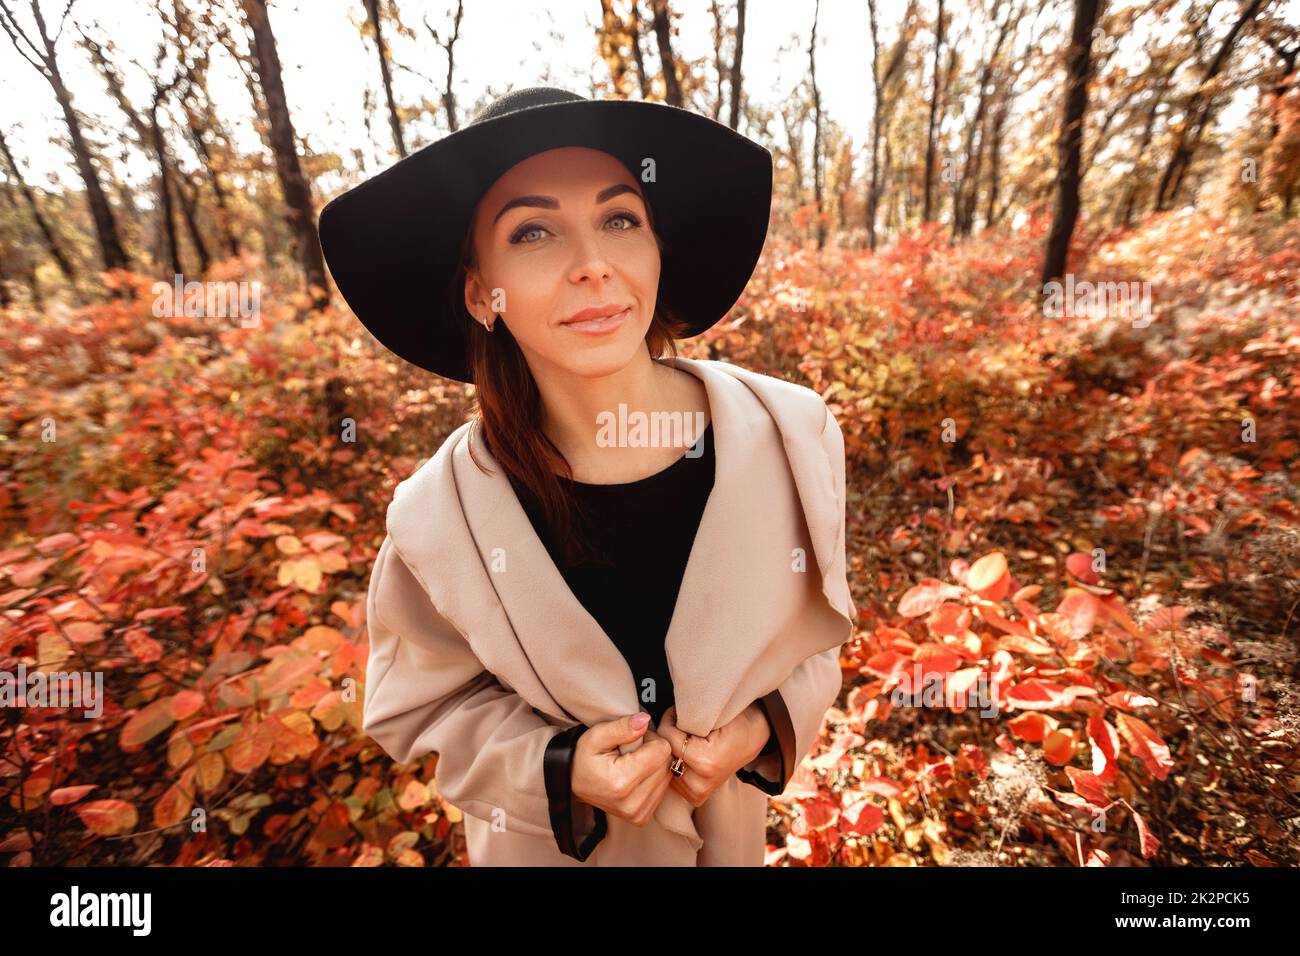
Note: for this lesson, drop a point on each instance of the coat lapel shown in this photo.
(741, 622)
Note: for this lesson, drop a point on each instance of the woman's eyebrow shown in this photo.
(550, 202)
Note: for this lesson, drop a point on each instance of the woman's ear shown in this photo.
(473, 294)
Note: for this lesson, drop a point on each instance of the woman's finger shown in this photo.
(669, 731)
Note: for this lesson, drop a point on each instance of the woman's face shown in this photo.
(559, 233)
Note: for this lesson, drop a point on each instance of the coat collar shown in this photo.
(772, 467)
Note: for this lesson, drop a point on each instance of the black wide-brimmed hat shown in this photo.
(393, 243)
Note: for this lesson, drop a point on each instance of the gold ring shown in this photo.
(678, 765)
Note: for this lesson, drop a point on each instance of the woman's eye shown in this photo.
(517, 238)
(629, 217)
(525, 230)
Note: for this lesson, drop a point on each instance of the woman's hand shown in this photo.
(629, 786)
(711, 760)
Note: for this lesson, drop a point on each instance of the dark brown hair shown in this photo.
(509, 411)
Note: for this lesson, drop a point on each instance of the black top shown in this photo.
(642, 532)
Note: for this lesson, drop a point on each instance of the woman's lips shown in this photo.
(599, 326)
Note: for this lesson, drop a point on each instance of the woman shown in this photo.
(609, 631)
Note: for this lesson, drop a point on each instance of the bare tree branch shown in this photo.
(16, 32)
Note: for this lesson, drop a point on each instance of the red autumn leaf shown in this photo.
(1070, 799)
(880, 786)
(862, 817)
(147, 723)
(1127, 700)
(936, 658)
(1167, 618)
(1105, 747)
(65, 795)
(1089, 786)
(1146, 839)
(885, 664)
(925, 596)
(30, 573)
(991, 615)
(173, 805)
(1045, 695)
(185, 703)
(143, 647)
(1058, 748)
(1079, 608)
(57, 542)
(820, 813)
(1020, 644)
(988, 577)
(948, 620)
(153, 613)
(1080, 565)
(84, 632)
(1032, 727)
(1146, 745)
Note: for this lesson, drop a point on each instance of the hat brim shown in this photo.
(393, 242)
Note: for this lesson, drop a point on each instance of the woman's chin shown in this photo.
(597, 361)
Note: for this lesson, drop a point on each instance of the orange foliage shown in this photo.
(1062, 510)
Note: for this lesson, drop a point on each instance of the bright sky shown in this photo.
(503, 43)
(328, 68)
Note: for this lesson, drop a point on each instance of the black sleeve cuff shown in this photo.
(780, 741)
(557, 770)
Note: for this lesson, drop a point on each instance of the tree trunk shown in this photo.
(613, 33)
(817, 128)
(1129, 203)
(794, 136)
(394, 121)
(1069, 147)
(638, 56)
(449, 91)
(293, 184)
(150, 141)
(733, 120)
(29, 197)
(926, 205)
(664, 37)
(995, 159)
(883, 106)
(187, 195)
(1197, 114)
(200, 118)
(101, 213)
(719, 31)
(964, 194)
(171, 249)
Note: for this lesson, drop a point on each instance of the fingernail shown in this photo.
(640, 720)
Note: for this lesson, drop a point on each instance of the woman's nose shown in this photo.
(590, 262)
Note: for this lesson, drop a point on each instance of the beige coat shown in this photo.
(479, 651)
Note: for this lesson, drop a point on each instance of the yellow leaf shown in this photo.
(52, 649)
(332, 561)
(305, 573)
(108, 817)
(211, 768)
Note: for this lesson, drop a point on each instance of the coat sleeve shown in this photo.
(797, 709)
(426, 691)
(772, 705)
(571, 819)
